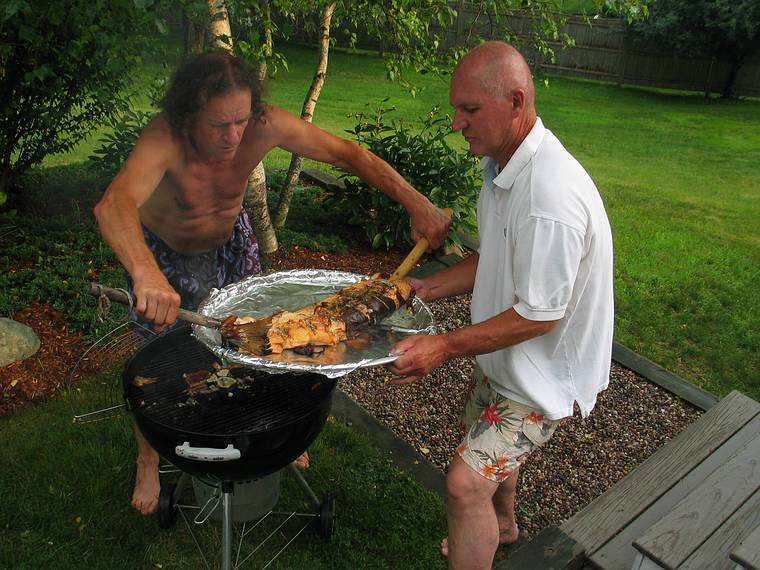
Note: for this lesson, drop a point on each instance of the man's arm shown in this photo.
(422, 354)
(305, 139)
(118, 218)
(455, 280)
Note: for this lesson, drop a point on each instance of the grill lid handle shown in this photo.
(229, 453)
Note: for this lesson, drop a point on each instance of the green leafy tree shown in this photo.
(64, 69)
(720, 29)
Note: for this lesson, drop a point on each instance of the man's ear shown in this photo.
(518, 100)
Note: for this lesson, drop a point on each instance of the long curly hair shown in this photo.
(204, 76)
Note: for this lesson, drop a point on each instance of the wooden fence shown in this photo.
(603, 50)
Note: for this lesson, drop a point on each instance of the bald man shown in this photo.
(542, 302)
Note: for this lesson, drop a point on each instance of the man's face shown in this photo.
(485, 119)
(219, 127)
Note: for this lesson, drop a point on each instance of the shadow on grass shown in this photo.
(68, 192)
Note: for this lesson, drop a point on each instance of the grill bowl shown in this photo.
(270, 423)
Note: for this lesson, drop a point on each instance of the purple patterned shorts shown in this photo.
(193, 276)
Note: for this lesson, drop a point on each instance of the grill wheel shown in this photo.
(167, 509)
(327, 517)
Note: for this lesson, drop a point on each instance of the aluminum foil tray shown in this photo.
(264, 295)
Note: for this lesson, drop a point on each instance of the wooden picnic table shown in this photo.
(688, 506)
(747, 553)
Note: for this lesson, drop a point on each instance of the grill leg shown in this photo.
(297, 472)
(227, 488)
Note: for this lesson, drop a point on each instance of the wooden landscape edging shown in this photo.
(662, 377)
(403, 455)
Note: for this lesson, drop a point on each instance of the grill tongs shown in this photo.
(122, 296)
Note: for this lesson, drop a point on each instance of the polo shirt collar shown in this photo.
(522, 156)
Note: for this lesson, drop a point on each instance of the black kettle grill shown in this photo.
(254, 428)
(236, 433)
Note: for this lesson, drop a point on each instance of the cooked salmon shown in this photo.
(334, 319)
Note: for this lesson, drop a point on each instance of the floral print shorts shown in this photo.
(499, 433)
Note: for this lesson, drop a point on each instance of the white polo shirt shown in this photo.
(546, 250)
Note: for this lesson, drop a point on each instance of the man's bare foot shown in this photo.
(147, 488)
(303, 461)
(507, 536)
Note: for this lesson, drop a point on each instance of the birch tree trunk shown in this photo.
(268, 42)
(258, 210)
(307, 113)
(219, 26)
(256, 191)
(256, 187)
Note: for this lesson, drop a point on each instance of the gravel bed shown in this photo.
(631, 420)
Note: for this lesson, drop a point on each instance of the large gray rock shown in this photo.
(17, 341)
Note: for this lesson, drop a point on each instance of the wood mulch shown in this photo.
(361, 260)
(43, 374)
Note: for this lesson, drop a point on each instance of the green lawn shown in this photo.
(680, 180)
(678, 174)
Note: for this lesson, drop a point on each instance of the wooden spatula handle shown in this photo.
(411, 260)
(414, 256)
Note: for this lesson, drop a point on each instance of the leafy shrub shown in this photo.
(307, 228)
(327, 243)
(115, 146)
(52, 260)
(65, 67)
(51, 248)
(450, 179)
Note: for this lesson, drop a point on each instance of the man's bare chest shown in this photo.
(194, 186)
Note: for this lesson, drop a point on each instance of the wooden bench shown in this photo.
(707, 523)
(687, 506)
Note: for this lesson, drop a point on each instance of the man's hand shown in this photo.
(421, 290)
(420, 356)
(156, 300)
(430, 222)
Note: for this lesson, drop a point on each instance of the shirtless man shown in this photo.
(178, 198)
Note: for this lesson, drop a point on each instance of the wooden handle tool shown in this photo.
(121, 296)
(414, 256)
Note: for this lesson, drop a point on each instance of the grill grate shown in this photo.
(266, 402)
